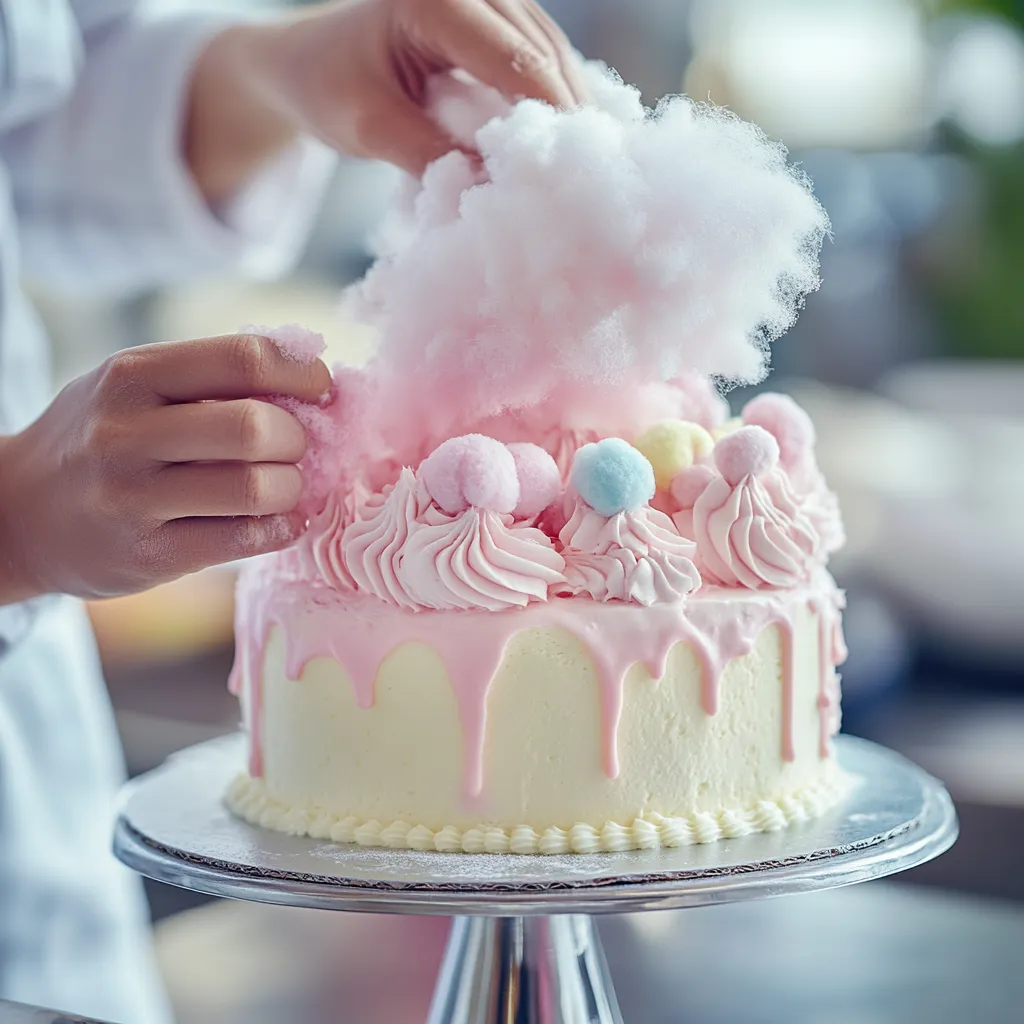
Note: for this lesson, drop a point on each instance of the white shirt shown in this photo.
(93, 195)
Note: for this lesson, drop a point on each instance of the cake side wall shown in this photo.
(400, 760)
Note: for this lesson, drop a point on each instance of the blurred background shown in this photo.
(909, 117)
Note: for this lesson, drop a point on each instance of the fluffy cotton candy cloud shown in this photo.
(596, 252)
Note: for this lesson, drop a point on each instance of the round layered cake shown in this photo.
(553, 596)
(498, 654)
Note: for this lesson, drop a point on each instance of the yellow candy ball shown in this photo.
(671, 446)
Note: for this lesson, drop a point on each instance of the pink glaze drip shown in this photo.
(788, 657)
(248, 668)
(719, 626)
(831, 653)
(824, 671)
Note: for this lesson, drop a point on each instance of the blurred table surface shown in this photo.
(19, 1013)
(876, 953)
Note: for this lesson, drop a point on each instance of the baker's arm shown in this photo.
(105, 196)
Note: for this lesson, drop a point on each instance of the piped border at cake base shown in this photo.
(248, 799)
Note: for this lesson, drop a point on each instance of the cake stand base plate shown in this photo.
(522, 950)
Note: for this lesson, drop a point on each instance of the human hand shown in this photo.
(354, 74)
(160, 462)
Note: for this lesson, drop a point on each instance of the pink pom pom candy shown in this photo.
(791, 427)
(749, 451)
(690, 483)
(472, 470)
(539, 479)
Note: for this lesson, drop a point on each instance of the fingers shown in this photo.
(479, 39)
(224, 489)
(402, 133)
(188, 545)
(232, 366)
(245, 430)
(568, 60)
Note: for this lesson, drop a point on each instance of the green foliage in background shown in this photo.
(983, 306)
(1012, 10)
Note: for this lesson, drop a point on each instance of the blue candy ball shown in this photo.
(611, 476)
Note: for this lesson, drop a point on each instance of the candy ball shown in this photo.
(611, 476)
(671, 446)
(730, 426)
(690, 484)
(539, 479)
(786, 422)
(750, 451)
(471, 471)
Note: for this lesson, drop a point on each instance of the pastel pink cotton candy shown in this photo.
(690, 484)
(749, 451)
(471, 471)
(322, 446)
(791, 427)
(701, 401)
(339, 437)
(462, 105)
(294, 341)
(589, 257)
(539, 479)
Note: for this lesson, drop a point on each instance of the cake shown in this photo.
(554, 597)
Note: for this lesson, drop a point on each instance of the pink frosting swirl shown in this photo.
(633, 556)
(821, 506)
(754, 534)
(479, 560)
(373, 547)
(321, 548)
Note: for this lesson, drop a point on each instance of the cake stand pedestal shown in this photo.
(523, 948)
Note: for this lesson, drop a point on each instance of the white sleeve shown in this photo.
(16, 620)
(103, 196)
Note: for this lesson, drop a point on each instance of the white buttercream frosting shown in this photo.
(249, 799)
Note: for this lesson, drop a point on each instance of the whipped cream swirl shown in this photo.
(633, 556)
(479, 560)
(373, 548)
(821, 506)
(321, 546)
(754, 534)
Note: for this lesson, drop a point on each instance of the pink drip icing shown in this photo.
(788, 657)
(824, 672)
(248, 670)
(831, 653)
(718, 624)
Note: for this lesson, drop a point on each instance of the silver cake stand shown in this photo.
(523, 948)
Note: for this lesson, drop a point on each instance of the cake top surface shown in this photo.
(542, 415)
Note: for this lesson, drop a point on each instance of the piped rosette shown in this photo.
(748, 524)
(319, 548)
(616, 547)
(683, 455)
(454, 535)
(794, 432)
(481, 558)
(374, 547)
